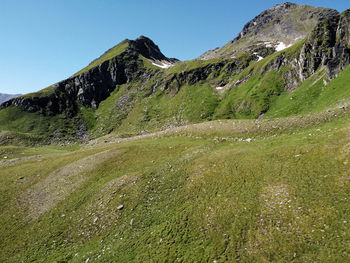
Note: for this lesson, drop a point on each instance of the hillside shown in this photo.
(143, 158)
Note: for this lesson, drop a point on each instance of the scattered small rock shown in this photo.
(120, 207)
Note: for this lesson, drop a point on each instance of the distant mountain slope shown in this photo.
(5, 97)
(274, 29)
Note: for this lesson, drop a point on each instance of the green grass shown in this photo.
(190, 105)
(280, 198)
(109, 54)
(252, 97)
(313, 96)
(190, 65)
(36, 127)
(41, 93)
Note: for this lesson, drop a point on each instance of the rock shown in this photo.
(95, 220)
(120, 207)
(327, 46)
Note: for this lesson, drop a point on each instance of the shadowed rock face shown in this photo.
(148, 49)
(89, 88)
(328, 45)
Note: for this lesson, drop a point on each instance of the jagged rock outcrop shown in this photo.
(328, 45)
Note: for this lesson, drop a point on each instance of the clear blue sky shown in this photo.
(45, 41)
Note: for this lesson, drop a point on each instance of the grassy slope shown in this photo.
(109, 54)
(282, 197)
(33, 125)
(313, 95)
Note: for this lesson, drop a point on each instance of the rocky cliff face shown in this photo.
(327, 46)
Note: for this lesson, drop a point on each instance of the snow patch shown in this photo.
(282, 46)
(259, 57)
(162, 64)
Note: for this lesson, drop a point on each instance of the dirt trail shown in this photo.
(45, 194)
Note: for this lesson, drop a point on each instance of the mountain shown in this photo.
(273, 30)
(5, 97)
(133, 88)
(143, 158)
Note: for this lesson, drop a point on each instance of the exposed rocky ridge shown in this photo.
(95, 85)
(287, 23)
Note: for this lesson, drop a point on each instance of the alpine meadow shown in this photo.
(239, 155)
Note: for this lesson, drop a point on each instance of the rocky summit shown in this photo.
(273, 30)
(241, 155)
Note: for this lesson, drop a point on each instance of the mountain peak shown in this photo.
(142, 45)
(283, 24)
(147, 48)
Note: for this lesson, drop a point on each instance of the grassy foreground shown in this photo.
(197, 194)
